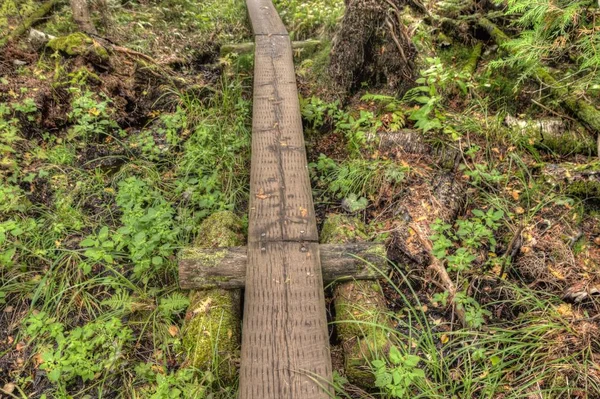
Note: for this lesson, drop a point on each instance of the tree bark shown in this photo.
(372, 45)
(81, 15)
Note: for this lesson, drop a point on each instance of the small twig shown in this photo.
(552, 111)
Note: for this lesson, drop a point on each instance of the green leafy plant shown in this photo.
(460, 248)
(397, 377)
(306, 18)
(149, 232)
(91, 117)
(434, 81)
(83, 352)
(99, 248)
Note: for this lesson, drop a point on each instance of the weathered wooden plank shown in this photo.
(285, 343)
(281, 205)
(284, 336)
(264, 18)
(202, 268)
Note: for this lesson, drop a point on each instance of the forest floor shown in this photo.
(111, 159)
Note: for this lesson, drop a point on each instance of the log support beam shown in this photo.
(204, 268)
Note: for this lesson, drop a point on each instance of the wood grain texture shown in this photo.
(226, 267)
(281, 205)
(285, 343)
(264, 18)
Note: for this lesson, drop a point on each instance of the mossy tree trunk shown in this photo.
(372, 45)
(211, 332)
(360, 309)
(35, 17)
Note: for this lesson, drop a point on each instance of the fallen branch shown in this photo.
(585, 112)
(29, 21)
(437, 266)
(471, 64)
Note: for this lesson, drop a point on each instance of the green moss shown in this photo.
(496, 34)
(358, 306)
(584, 189)
(567, 143)
(78, 44)
(339, 229)
(208, 259)
(360, 353)
(211, 336)
(221, 229)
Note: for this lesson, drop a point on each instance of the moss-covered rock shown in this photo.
(360, 308)
(220, 230)
(78, 44)
(212, 331)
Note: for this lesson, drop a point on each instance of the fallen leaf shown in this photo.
(261, 194)
(515, 195)
(303, 212)
(8, 388)
(565, 309)
(444, 338)
(519, 210)
(173, 330)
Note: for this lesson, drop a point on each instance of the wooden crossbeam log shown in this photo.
(201, 268)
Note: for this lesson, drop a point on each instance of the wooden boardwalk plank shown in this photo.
(285, 343)
(281, 205)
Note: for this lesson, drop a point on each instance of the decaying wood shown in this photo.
(38, 39)
(244, 48)
(372, 44)
(81, 15)
(584, 111)
(212, 325)
(471, 64)
(412, 141)
(555, 134)
(226, 267)
(361, 314)
(438, 267)
(35, 17)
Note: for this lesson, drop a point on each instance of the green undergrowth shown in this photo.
(93, 216)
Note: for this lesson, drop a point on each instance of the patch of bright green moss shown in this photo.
(220, 230)
(339, 229)
(211, 336)
(78, 44)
